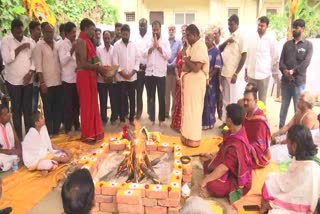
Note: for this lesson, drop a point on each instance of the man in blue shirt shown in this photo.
(175, 45)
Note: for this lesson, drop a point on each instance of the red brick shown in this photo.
(129, 208)
(97, 191)
(165, 148)
(169, 203)
(155, 210)
(107, 190)
(104, 199)
(98, 212)
(173, 210)
(187, 178)
(161, 193)
(132, 197)
(117, 147)
(175, 194)
(187, 169)
(96, 207)
(152, 147)
(108, 207)
(149, 202)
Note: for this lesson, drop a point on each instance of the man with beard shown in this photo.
(157, 52)
(257, 128)
(262, 58)
(117, 31)
(68, 76)
(125, 54)
(294, 61)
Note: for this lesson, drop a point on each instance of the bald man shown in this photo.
(49, 72)
(175, 45)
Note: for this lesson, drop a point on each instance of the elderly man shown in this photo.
(16, 51)
(257, 128)
(234, 54)
(175, 46)
(229, 173)
(304, 116)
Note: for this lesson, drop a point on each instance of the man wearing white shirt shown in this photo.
(19, 69)
(35, 35)
(125, 54)
(234, 54)
(68, 76)
(158, 52)
(104, 52)
(49, 72)
(141, 42)
(262, 58)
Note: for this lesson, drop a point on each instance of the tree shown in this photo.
(100, 11)
(10, 9)
(307, 11)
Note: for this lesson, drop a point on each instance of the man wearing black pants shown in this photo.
(125, 54)
(158, 52)
(16, 51)
(104, 52)
(49, 72)
(68, 62)
(115, 100)
(141, 42)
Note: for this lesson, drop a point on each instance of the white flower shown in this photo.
(157, 187)
(165, 144)
(175, 184)
(128, 192)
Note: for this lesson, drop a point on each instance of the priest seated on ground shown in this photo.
(78, 193)
(304, 116)
(37, 150)
(298, 189)
(229, 173)
(10, 145)
(257, 128)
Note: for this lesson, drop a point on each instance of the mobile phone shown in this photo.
(251, 207)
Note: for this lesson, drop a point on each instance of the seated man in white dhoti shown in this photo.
(304, 116)
(10, 145)
(37, 150)
(298, 189)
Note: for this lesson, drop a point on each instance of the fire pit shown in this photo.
(133, 182)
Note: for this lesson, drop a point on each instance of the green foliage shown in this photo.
(307, 11)
(100, 11)
(10, 9)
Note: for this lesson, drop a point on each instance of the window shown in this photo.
(156, 16)
(130, 16)
(271, 11)
(233, 11)
(184, 18)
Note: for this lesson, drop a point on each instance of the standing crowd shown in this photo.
(194, 78)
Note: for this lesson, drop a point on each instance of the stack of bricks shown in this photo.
(113, 197)
(187, 173)
(136, 198)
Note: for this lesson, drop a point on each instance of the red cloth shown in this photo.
(176, 116)
(235, 154)
(259, 137)
(91, 125)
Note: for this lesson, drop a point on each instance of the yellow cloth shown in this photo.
(23, 189)
(193, 91)
(253, 197)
